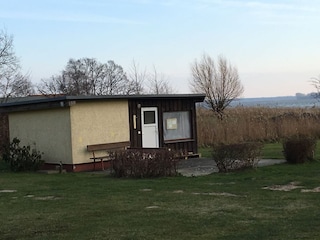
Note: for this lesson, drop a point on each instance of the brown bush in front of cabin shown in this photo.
(234, 157)
(144, 163)
(299, 149)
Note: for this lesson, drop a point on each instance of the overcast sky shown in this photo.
(273, 43)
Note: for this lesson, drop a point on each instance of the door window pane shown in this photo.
(149, 117)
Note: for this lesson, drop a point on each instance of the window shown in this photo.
(176, 125)
(149, 117)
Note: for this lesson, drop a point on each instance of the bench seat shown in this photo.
(107, 148)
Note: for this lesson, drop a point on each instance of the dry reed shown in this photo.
(242, 124)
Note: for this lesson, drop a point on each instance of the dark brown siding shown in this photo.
(164, 105)
(4, 131)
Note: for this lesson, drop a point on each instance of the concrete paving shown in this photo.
(268, 162)
(203, 166)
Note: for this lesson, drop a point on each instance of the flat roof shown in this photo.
(42, 99)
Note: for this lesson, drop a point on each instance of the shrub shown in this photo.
(299, 149)
(22, 158)
(231, 157)
(141, 163)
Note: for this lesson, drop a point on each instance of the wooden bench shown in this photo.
(107, 147)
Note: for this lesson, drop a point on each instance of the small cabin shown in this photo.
(63, 126)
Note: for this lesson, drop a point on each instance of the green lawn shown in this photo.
(272, 151)
(218, 206)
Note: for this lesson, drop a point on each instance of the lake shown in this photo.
(288, 101)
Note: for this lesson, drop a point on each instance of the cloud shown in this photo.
(94, 11)
(263, 4)
(77, 18)
(292, 6)
(265, 11)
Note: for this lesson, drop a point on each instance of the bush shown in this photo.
(141, 163)
(231, 157)
(22, 158)
(299, 149)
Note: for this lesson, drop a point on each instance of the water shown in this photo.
(290, 101)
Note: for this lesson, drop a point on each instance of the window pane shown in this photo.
(176, 125)
(149, 117)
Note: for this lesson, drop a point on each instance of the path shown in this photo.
(204, 166)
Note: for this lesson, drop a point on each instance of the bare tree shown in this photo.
(115, 80)
(315, 81)
(219, 80)
(87, 76)
(12, 82)
(136, 78)
(157, 83)
(53, 86)
(15, 85)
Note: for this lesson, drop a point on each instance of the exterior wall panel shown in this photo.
(97, 123)
(48, 129)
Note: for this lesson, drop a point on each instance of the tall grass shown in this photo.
(256, 124)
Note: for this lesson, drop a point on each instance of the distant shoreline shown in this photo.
(284, 101)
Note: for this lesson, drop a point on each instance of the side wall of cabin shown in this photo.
(46, 130)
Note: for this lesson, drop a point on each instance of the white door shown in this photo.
(149, 127)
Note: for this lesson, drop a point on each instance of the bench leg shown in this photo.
(102, 164)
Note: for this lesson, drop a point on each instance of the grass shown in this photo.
(269, 151)
(272, 151)
(217, 206)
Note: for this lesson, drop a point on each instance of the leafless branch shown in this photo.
(158, 83)
(219, 80)
(12, 82)
(87, 76)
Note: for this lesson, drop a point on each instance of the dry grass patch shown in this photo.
(152, 207)
(286, 188)
(221, 183)
(7, 191)
(45, 198)
(225, 194)
(291, 186)
(145, 190)
(296, 206)
(29, 196)
(316, 190)
(178, 191)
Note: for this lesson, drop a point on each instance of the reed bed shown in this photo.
(243, 124)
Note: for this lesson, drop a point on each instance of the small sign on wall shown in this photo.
(172, 123)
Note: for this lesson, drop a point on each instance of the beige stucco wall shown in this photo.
(96, 123)
(48, 129)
